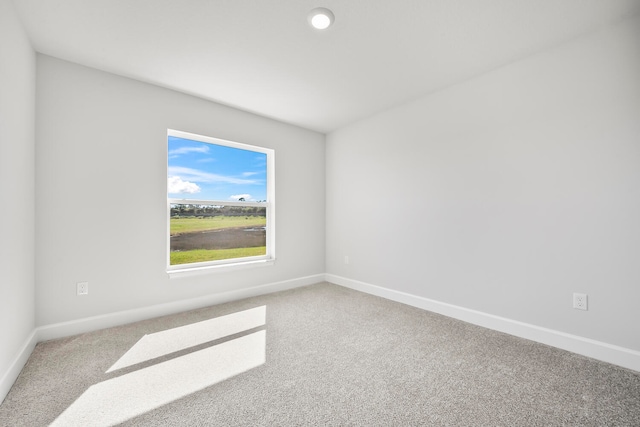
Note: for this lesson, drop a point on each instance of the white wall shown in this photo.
(506, 193)
(101, 192)
(17, 109)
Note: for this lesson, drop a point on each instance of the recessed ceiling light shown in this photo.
(321, 18)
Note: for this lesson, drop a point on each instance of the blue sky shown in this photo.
(198, 170)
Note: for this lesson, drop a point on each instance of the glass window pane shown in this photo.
(201, 233)
(203, 171)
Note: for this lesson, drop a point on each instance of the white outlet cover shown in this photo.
(82, 288)
(580, 301)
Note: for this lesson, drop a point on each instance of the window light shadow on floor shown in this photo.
(121, 398)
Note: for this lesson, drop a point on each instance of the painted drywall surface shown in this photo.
(101, 192)
(506, 193)
(17, 109)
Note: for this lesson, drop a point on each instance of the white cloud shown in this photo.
(196, 175)
(186, 150)
(249, 173)
(241, 196)
(175, 185)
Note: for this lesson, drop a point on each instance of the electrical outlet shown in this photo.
(83, 288)
(580, 301)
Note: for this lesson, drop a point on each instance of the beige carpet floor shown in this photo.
(318, 355)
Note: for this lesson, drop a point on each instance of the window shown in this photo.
(220, 202)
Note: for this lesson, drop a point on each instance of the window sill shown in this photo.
(209, 269)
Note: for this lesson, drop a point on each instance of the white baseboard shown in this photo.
(605, 352)
(74, 327)
(17, 364)
(616, 355)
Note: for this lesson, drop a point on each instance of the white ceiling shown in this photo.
(261, 55)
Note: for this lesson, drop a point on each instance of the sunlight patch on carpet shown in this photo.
(162, 343)
(122, 398)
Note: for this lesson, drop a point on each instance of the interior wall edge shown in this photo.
(9, 377)
(605, 352)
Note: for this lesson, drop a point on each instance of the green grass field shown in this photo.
(202, 255)
(194, 224)
(191, 224)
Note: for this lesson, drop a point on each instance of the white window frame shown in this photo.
(269, 204)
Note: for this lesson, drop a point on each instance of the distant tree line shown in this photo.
(209, 211)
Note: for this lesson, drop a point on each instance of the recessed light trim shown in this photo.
(321, 18)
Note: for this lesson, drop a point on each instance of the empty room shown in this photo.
(294, 212)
